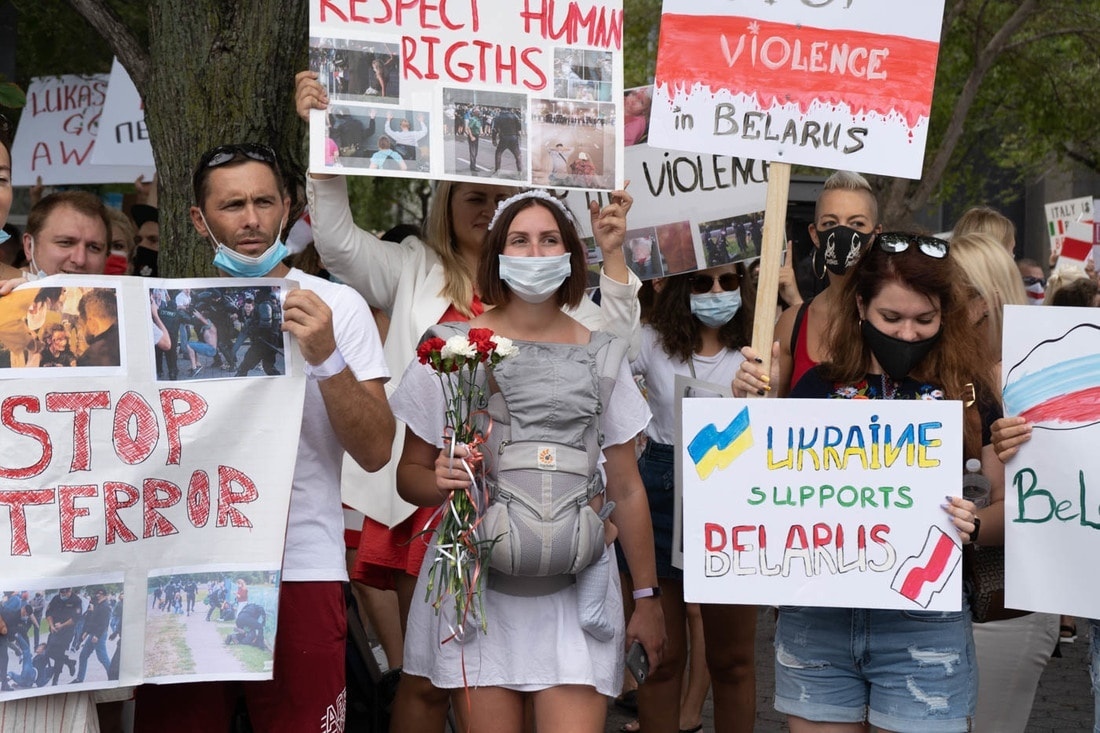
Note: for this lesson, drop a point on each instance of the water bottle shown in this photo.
(975, 486)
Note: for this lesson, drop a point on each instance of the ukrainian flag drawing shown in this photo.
(711, 448)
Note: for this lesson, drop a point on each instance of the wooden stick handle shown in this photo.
(775, 241)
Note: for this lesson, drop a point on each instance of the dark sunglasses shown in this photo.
(896, 242)
(1030, 280)
(222, 154)
(701, 283)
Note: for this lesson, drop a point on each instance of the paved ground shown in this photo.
(1063, 703)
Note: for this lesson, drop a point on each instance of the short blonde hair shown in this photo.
(849, 181)
(986, 220)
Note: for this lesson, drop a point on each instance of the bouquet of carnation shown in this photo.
(457, 568)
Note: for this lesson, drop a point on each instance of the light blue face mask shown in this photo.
(239, 265)
(716, 309)
(4, 236)
(534, 279)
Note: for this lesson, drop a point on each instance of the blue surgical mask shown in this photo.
(4, 236)
(35, 272)
(716, 309)
(239, 265)
(534, 279)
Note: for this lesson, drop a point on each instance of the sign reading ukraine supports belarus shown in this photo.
(470, 89)
(831, 83)
(821, 503)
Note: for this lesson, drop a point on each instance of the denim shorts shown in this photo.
(905, 671)
(658, 469)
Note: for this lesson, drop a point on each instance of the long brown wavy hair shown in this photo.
(679, 331)
(958, 363)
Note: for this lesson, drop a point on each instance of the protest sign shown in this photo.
(1070, 228)
(831, 84)
(124, 138)
(58, 131)
(690, 211)
(1051, 373)
(156, 492)
(821, 502)
(461, 91)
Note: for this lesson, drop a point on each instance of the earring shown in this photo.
(813, 265)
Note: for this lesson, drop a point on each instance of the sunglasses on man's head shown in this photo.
(222, 154)
(701, 283)
(896, 242)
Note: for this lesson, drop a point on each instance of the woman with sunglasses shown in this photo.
(903, 331)
(845, 223)
(421, 282)
(697, 325)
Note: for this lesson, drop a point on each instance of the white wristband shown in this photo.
(330, 367)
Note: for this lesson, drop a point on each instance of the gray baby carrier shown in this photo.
(542, 448)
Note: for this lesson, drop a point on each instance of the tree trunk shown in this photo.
(216, 72)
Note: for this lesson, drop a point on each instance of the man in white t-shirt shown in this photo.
(241, 207)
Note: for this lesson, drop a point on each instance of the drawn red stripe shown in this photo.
(1082, 406)
(918, 576)
(690, 52)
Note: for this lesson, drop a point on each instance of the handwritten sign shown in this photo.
(837, 84)
(460, 91)
(1070, 228)
(58, 131)
(114, 479)
(1051, 376)
(821, 502)
(125, 138)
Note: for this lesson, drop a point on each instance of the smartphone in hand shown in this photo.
(637, 662)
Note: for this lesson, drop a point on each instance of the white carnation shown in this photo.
(505, 348)
(458, 346)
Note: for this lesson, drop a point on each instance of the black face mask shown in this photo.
(842, 248)
(145, 262)
(897, 357)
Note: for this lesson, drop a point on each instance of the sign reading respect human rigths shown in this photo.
(469, 89)
(843, 84)
(163, 484)
(1051, 374)
(821, 502)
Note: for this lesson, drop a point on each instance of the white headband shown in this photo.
(534, 193)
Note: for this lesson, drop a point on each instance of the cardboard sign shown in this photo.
(1051, 373)
(58, 131)
(155, 491)
(465, 91)
(1070, 228)
(830, 84)
(124, 139)
(822, 502)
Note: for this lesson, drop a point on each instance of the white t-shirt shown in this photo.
(315, 528)
(660, 370)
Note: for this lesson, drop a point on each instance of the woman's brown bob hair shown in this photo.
(495, 292)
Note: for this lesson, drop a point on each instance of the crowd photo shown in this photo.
(610, 366)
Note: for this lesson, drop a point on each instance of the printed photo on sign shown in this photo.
(202, 624)
(643, 255)
(357, 71)
(217, 332)
(59, 327)
(732, 239)
(380, 139)
(636, 105)
(586, 76)
(68, 635)
(573, 144)
(677, 247)
(472, 140)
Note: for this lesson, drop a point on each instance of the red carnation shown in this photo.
(482, 339)
(425, 349)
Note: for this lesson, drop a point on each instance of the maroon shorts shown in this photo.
(383, 550)
(307, 694)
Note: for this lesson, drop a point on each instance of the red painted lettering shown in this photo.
(796, 538)
(227, 496)
(69, 512)
(111, 504)
(714, 536)
(37, 432)
(198, 499)
(823, 535)
(155, 523)
(16, 501)
(735, 540)
(135, 432)
(173, 421)
(81, 405)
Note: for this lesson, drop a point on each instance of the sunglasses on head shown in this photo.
(222, 154)
(896, 242)
(701, 283)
